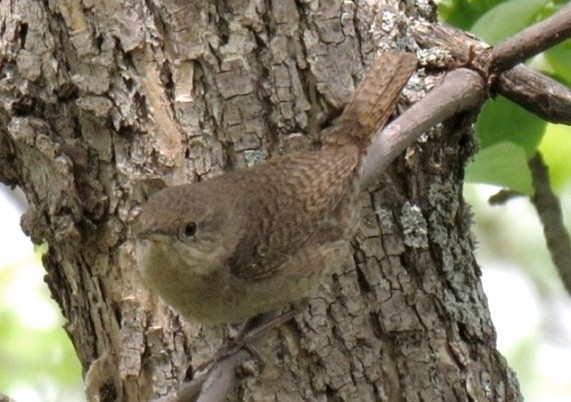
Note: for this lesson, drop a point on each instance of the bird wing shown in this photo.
(297, 196)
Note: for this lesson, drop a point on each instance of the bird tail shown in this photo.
(373, 101)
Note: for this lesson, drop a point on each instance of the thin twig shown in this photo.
(217, 378)
(212, 385)
(460, 90)
(221, 378)
(533, 40)
(503, 196)
(549, 210)
(542, 96)
(537, 93)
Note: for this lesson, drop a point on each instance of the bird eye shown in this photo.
(189, 229)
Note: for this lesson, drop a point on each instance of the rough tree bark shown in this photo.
(103, 102)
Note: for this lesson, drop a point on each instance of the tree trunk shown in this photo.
(104, 102)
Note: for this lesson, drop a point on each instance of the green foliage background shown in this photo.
(36, 362)
(509, 135)
(511, 236)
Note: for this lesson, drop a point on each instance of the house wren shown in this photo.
(253, 240)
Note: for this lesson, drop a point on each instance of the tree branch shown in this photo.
(459, 91)
(213, 384)
(536, 93)
(463, 89)
(533, 40)
(549, 210)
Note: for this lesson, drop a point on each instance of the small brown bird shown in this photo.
(254, 240)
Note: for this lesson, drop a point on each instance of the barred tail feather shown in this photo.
(373, 101)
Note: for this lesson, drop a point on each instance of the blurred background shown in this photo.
(37, 359)
(530, 309)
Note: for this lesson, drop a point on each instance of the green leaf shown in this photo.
(559, 59)
(556, 149)
(506, 19)
(503, 164)
(34, 357)
(501, 120)
(464, 13)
